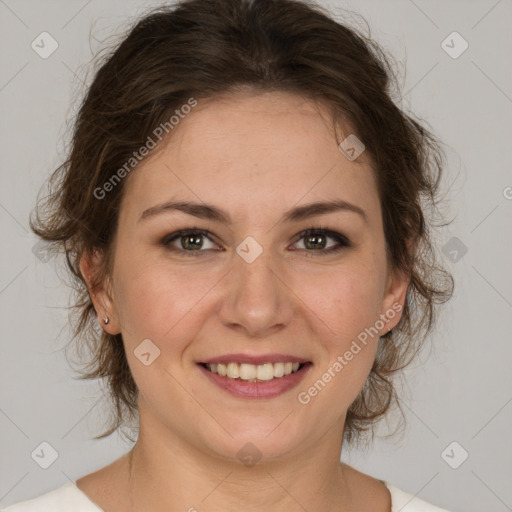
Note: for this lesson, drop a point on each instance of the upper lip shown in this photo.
(255, 359)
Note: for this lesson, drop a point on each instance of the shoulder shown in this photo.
(379, 494)
(62, 499)
(405, 502)
(368, 492)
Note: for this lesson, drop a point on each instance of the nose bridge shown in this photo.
(258, 275)
(256, 299)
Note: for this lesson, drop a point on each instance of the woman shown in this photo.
(243, 210)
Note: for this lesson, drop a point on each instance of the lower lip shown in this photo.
(268, 389)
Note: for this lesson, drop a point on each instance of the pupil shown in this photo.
(316, 244)
(195, 244)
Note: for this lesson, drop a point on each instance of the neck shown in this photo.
(171, 474)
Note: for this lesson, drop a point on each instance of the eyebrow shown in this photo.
(210, 212)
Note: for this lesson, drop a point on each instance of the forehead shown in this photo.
(253, 151)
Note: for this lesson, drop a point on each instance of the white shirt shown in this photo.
(69, 498)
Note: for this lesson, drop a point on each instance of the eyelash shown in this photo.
(342, 240)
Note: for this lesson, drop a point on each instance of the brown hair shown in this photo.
(206, 48)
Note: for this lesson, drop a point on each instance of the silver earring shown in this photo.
(105, 320)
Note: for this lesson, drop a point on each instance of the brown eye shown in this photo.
(188, 240)
(315, 241)
(191, 241)
(318, 240)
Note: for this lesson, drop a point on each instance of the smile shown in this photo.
(249, 376)
(252, 372)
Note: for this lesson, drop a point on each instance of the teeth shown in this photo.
(247, 371)
(233, 370)
(252, 372)
(278, 369)
(265, 371)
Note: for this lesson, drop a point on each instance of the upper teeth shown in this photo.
(253, 372)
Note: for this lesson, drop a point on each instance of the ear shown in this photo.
(394, 298)
(100, 292)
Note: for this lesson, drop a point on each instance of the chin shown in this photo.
(263, 439)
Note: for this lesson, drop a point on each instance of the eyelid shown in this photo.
(324, 231)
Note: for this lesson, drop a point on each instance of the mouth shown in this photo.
(255, 379)
(253, 373)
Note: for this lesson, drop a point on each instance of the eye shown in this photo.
(316, 240)
(189, 240)
(195, 241)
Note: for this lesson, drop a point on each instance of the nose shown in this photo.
(257, 300)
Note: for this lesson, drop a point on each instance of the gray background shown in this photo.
(462, 392)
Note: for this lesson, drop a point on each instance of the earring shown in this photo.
(105, 319)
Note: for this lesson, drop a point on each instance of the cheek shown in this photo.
(347, 299)
(346, 306)
(148, 299)
(158, 301)
(153, 304)
(138, 295)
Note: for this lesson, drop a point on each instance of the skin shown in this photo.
(255, 156)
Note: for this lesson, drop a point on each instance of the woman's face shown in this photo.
(253, 288)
